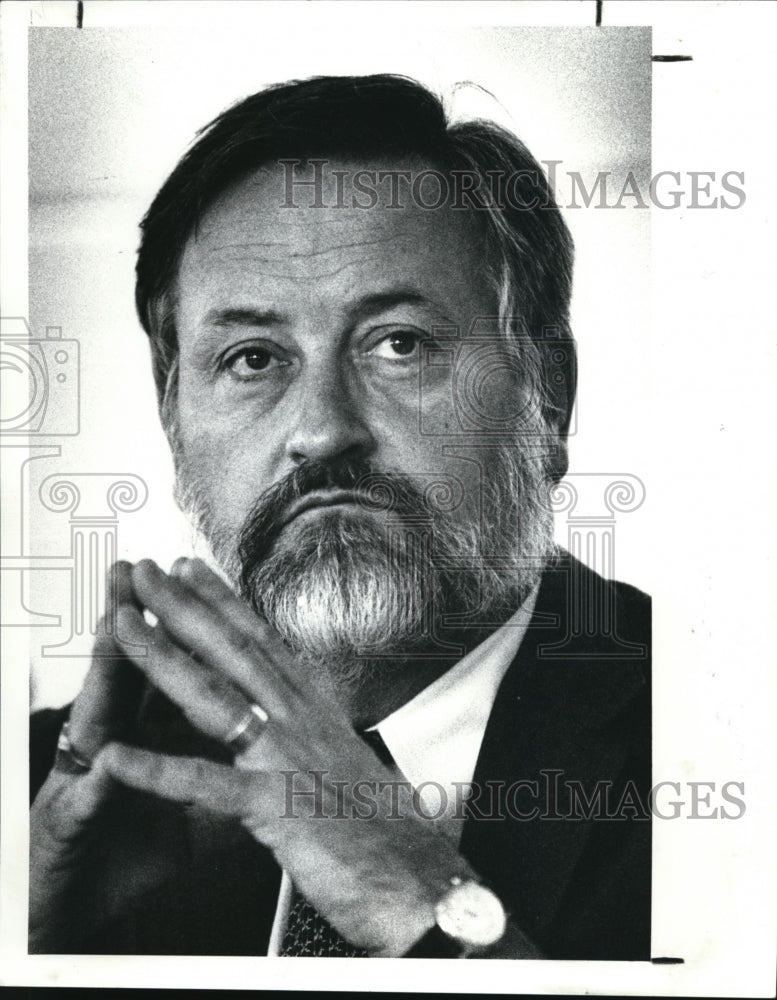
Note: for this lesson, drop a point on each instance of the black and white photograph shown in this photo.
(387, 559)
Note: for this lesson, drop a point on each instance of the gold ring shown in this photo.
(68, 760)
(247, 730)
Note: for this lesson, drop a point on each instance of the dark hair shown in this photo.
(382, 116)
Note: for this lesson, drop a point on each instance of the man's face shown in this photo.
(299, 334)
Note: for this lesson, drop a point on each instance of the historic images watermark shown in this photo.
(550, 796)
(519, 190)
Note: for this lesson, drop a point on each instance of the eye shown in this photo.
(252, 362)
(399, 345)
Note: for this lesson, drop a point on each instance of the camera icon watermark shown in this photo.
(485, 372)
(40, 381)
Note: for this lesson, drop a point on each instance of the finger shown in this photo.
(62, 806)
(113, 687)
(207, 585)
(184, 779)
(233, 642)
(213, 591)
(207, 697)
(210, 587)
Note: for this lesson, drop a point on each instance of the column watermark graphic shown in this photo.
(41, 411)
(591, 503)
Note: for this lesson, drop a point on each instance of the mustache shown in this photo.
(371, 488)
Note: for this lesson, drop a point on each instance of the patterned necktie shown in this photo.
(308, 934)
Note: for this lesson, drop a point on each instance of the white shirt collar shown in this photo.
(436, 736)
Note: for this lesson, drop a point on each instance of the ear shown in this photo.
(563, 383)
(558, 452)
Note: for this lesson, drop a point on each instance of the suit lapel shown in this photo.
(551, 714)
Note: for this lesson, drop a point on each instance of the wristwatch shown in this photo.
(469, 920)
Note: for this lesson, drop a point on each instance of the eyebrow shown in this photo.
(383, 301)
(365, 307)
(242, 317)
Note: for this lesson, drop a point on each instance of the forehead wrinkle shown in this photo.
(311, 228)
(297, 276)
(246, 240)
(294, 254)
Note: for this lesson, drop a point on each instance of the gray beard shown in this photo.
(356, 591)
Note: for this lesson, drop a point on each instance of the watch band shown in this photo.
(469, 921)
(436, 944)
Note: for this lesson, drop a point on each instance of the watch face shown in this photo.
(471, 914)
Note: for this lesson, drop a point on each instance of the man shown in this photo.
(360, 744)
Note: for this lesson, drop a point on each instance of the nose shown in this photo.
(328, 423)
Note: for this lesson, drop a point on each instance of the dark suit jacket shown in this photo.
(567, 849)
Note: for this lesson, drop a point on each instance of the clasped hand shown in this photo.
(376, 880)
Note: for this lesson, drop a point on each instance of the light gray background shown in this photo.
(111, 110)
